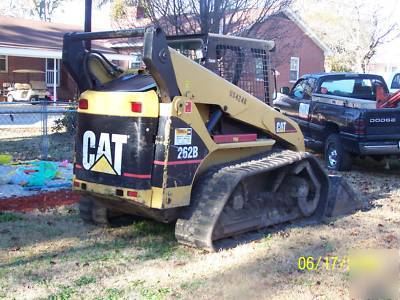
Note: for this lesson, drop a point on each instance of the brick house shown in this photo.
(298, 50)
(35, 45)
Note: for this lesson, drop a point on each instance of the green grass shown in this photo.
(139, 286)
(9, 217)
(64, 293)
(154, 293)
(157, 240)
(113, 294)
(150, 228)
(192, 285)
(84, 280)
(329, 247)
(155, 248)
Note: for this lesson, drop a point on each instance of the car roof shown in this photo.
(323, 75)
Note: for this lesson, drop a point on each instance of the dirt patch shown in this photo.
(40, 201)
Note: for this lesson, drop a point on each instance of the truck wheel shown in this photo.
(336, 158)
(94, 212)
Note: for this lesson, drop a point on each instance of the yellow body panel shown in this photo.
(144, 197)
(106, 103)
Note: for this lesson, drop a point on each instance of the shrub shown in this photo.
(67, 123)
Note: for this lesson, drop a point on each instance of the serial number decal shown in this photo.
(237, 97)
(188, 152)
(183, 136)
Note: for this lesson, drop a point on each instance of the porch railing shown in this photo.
(50, 78)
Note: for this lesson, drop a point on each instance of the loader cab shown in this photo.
(244, 62)
(192, 46)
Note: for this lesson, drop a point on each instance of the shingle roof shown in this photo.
(23, 33)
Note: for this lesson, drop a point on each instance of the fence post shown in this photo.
(45, 137)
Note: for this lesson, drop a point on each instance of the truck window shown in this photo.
(360, 88)
(303, 89)
(395, 82)
(298, 90)
(338, 87)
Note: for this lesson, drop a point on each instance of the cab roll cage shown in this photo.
(156, 57)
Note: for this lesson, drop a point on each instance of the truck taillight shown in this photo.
(359, 126)
(136, 107)
(83, 104)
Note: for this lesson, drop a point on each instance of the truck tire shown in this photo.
(94, 212)
(336, 158)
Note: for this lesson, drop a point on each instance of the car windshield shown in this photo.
(361, 88)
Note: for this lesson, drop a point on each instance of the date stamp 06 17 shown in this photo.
(328, 263)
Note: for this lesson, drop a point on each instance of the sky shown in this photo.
(73, 12)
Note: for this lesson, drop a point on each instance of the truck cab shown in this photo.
(338, 116)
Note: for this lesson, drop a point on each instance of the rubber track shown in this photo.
(213, 190)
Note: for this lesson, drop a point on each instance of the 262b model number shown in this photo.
(188, 152)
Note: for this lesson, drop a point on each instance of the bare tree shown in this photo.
(192, 16)
(41, 9)
(379, 35)
(44, 9)
(14, 8)
(353, 34)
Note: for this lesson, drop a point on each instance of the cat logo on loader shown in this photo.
(103, 160)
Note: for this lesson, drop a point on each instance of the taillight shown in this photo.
(136, 107)
(132, 194)
(83, 104)
(76, 184)
(359, 126)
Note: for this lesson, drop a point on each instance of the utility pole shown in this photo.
(88, 21)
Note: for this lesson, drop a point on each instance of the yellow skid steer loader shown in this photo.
(192, 140)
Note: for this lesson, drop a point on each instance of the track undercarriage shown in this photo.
(277, 188)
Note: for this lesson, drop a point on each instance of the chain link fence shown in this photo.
(44, 130)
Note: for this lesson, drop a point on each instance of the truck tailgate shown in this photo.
(383, 122)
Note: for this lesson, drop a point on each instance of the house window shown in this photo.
(3, 63)
(136, 60)
(294, 69)
(50, 72)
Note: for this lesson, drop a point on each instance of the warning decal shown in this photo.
(183, 136)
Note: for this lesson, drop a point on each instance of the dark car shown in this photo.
(337, 114)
